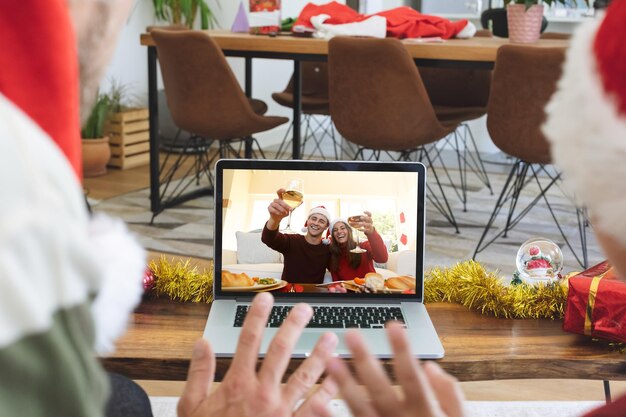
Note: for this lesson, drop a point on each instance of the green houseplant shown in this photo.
(95, 144)
(185, 12)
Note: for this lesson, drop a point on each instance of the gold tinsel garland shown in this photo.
(466, 283)
(182, 281)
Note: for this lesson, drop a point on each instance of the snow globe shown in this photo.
(539, 260)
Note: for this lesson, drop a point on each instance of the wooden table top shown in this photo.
(478, 347)
(473, 49)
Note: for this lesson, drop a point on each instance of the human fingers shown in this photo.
(279, 351)
(199, 378)
(317, 404)
(247, 352)
(419, 397)
(311, 369)
(350, 391)
(280, 193)
(372, 375)
(446, 388)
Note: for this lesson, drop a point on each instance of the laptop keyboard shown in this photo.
(333, 317)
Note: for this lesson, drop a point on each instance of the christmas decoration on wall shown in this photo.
(182, 281)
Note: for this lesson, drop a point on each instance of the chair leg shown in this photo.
(286, 142)
(475, 161)
(520, 176)
(444, 208)
(496, 210)
(174, 185)
(441, 204)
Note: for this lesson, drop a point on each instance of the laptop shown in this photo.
(394, 192)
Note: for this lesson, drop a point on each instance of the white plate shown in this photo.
(352, 286)
(258, 287)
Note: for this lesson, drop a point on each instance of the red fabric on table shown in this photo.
(603, 315)
(402, 22)
(40, 70)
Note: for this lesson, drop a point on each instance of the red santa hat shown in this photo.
(586, 123)
(329, 232)
(316, 210)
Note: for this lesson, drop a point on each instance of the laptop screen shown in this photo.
(250, 259)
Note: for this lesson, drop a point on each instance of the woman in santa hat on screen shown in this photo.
(346, 263)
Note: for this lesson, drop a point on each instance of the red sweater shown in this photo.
(376, 252)
(304, 263)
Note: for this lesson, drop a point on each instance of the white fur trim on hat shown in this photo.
(320, 210)
(588, 136)
(334, 222)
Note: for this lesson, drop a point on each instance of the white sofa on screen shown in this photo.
(257, 260)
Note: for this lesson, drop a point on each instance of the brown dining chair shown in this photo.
(524, 79)
(458, 96)
(379, 103)
(205, 99)
(556, 35)
(315, 112)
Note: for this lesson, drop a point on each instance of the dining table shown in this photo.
(470, 53)
(478, 347)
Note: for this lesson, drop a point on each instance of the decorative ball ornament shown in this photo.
(148, 280)
(539, 260)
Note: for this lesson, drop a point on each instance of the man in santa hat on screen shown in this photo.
(305, 256)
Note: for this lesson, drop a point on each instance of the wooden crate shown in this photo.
(129, 137)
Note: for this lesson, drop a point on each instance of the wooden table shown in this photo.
(478, 347)
(479, 53)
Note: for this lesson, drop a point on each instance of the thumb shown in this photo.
(199, 378)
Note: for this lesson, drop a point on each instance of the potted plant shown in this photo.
(95, 145)
(128, 129)
(184, 12)
(524, 18)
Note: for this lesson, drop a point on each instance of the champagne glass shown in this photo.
(354, 221)
(293, 196)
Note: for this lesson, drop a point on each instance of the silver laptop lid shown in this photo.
(393, 192)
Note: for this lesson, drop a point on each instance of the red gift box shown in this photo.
(596, 305)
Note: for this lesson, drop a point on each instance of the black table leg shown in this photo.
(153, 107)
(248, 91)
(297, 108)
(607, 391)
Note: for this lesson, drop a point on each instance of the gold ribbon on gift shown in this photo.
(593, 291)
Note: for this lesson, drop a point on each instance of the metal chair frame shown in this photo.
(522, 174)
(314, 124)
(418, 154)
(459, 143)
(199, 148)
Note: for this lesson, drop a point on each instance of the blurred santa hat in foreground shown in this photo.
(586, 123)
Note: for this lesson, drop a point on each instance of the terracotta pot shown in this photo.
(524, 25)
(96, 154)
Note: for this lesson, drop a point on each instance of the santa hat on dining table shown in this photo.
(586, 123)
(317, 210)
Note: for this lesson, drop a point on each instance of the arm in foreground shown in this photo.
(246, 392)
(427, 389)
